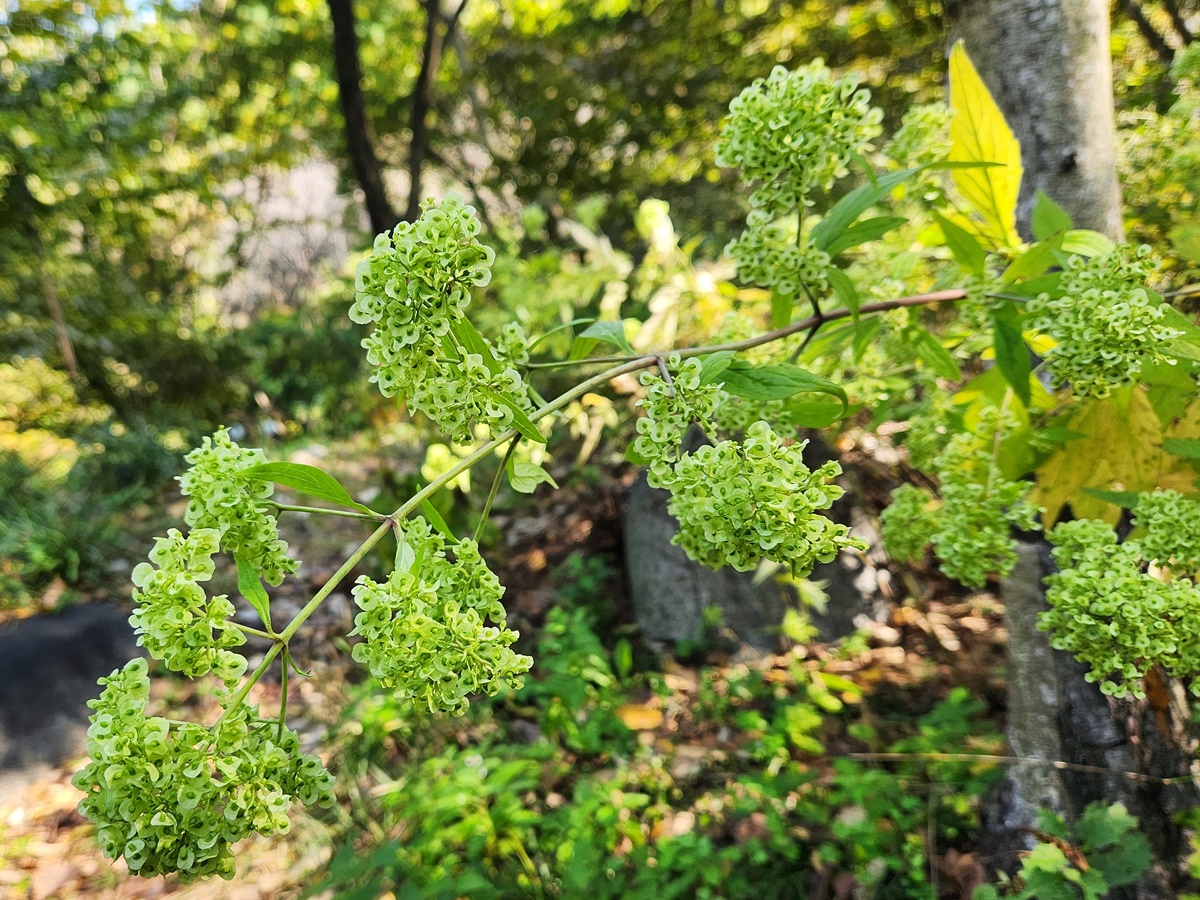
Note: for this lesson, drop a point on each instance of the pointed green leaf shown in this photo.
(978, 133)
(1048, 218)
(853, 205)
(864, 231)
(250, 586)
(931, 352)
(521, 421)
(818, 413)
(472, 341)
(713, 365)
(307, 480)
(844, 288)
(1185, 448)
(1033, 261)
(526, 476)
(781, 309)
(967, 250)
(562, 327)
(1012, 355)
(429, 511)
(609, 332)
(777, 382)
(1087, 243)
(864, 335)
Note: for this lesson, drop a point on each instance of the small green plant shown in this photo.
(1104, 850)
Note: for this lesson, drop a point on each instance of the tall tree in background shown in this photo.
(1048, 65)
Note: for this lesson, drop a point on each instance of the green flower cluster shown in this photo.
(794, 131)
(740, 503)
(671, 409)
(1168, 525)
(971, 527)
(424, 629)
(1114, 616)
(174, 797)
(177, 622)
(909, 523)
(414, 288)
(224, 499)
(766, 255)
(1106, 324)
(789, 133)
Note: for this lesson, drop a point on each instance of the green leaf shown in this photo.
(931, 352)
(853, 205)
(1181, 447)
(818, 413)
(1187, 344)
(1087, 243)
(472, 341)
(1123, 499)
(1043, 284)
(521, 421)
(609, 332)
(864, 335)
(429, 511)
(967, 250)
(978, 134)
(250, 586)
(526, 476)
(777, 382)
(1034, 261)
(562, 327)
(1048, 218)
(1012, 355)
(714, 365)
(866, 230)
(781, 309)
(844, 288)
(307, 480)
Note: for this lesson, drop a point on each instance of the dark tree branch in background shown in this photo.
(1180, 23)
(438, 32)
(1157, 42)
(367, 170)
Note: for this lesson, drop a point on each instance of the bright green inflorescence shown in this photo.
(425, 630)
(971, 528)
(790, 133)
(742, 502)
(1112, 614)
(909, 523)
(174, 797)
(1168, 528)
(224, 499)
(177, 622)
(414, 287)
(737, 503)
(1106, 324)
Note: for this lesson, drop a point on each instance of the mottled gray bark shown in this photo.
(1048, 64)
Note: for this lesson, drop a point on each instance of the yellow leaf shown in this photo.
(1121, 450)
(639, 717)
(978, 133)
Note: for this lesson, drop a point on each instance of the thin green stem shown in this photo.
(320, 510)
(283, 693)
(491, 497)
(257, 632)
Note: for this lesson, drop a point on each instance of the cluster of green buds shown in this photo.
(435, 630)
(1106, 324)
(414, 287)
(970, 523)
(1115, 612)
(737, 503)
(175, 796)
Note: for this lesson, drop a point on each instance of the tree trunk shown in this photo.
(367, 170)
(1048, 65)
